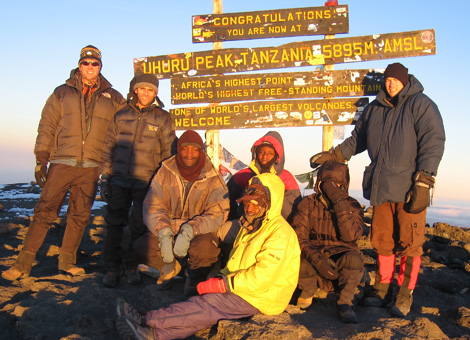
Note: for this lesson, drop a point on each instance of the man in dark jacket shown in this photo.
(328, 224)
(139, 138)
(70, 138)
(402, 131)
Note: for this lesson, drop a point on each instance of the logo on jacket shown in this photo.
(106, 94)
(152, 127)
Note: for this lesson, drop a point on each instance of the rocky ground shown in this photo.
(49, 305)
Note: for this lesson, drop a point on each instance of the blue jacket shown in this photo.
(400, 141)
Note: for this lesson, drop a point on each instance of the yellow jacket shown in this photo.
(263, 268)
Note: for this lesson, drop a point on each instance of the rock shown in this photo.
(464, 317)
(264, 327)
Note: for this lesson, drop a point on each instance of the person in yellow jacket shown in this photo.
(261, 274)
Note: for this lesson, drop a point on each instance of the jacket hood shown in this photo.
(413, 87)
(275, 139)
(335, 171)
(274, 188)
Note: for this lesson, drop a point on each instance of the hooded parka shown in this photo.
(263, 267)
(239, 181)
(400, 139)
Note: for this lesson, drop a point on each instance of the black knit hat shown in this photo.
(90, 52)
(144, 80)
(397, 71)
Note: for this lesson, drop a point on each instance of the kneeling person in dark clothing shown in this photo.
(328, 223)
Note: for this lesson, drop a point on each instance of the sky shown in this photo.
(41, 42)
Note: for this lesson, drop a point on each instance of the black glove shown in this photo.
(105, 188)
(325, 270)
(417, 199)
(335, 194)
(325, 156)
(40, 171)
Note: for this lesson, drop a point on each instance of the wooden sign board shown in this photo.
(296, 54)
(270, 24)
(270, 114)
(270, 86)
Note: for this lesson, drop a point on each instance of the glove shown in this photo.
(40, 171)
(183, 240)
(335, 194)
(105, 188)
(325, 156)
(165, 243)
(417, 199)
(213, 285)
(325, 269)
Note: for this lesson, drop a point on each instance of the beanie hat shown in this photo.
(397, 71)
(190, 137)
(255, 194)
(145, 80)
(90, 52)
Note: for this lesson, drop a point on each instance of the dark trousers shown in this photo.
(350, 272)
(82, 183)
(183, 319)
(117, 218)
(203, 251)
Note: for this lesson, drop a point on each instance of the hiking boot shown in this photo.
(147, 270)
(403, 303)
(376, 298)
(131, 331)
(13, 274)
(346, 313)
(74, 271)
(304, 303)
(111, 279)
(130, 312)
(133, 277)
(168, 272)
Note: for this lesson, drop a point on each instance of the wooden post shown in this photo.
(328, 129)
(212, 136)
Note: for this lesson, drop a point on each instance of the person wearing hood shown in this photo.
(260, 276)
(68, 151)
(403, 132)
(185, 206)
(268, 156)
(139, 138)
(328, 223)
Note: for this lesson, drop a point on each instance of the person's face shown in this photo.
(190, 155)
(88, 70)
(145, 96)
(266, 154)
(393, 86)
(251, 209)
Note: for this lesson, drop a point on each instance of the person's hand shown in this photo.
(165, 237)
(332, 191)
(325, 156)
(213, 285)
(40, 171)
(183, 240)
(417, 199)
(325, 270)
(105, 189)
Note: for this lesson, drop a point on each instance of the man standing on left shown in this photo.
(70, 138)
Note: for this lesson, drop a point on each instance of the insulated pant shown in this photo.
(183, 319)
(203, 250)
(350, 273)
(394, 231)
(82, 183)
(117, 218)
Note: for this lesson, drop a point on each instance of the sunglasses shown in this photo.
(92, 63)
